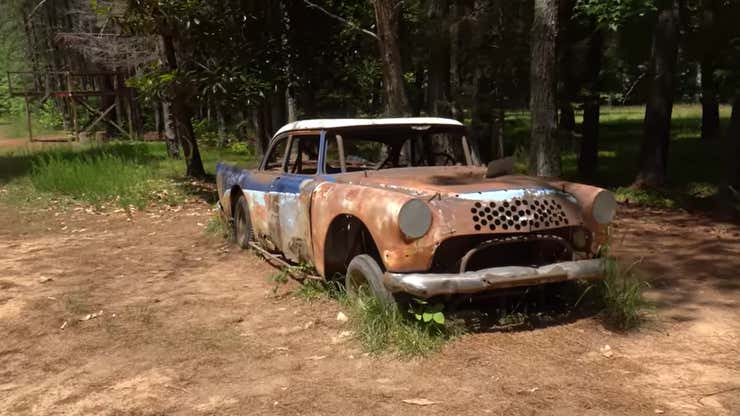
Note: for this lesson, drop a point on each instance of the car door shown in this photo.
(291, 195)
(257, 187)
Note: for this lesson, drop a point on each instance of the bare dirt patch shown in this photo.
(160, 318)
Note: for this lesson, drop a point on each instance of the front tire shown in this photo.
(364, 274)
(242, 223)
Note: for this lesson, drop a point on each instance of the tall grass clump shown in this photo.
(622, 294)
(386, 327)
(94, 178)
(382, 327)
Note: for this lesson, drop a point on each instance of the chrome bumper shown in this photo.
(426, 285)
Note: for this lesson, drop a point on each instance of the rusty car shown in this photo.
(404, 206)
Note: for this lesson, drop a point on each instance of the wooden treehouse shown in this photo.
(75, 93)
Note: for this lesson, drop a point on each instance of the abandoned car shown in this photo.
(403, 206)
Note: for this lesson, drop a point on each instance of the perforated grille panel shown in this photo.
(518, 215)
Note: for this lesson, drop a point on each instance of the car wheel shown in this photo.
(242, 223)
(364, 274)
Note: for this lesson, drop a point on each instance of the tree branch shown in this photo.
(341, 19)
(35, 9)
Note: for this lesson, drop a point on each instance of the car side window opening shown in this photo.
(303, 157)
(275, 160)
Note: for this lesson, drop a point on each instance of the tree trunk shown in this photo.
(709, 101)
(438, 87)
(480, 116)
(387, 17)
(221, 127)
(261, 139)
(588, 157)
(169, 130)
(733, 144)
(567, 116)
(544, 152)
(178, 103)
(657, 130)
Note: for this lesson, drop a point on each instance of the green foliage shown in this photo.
(614, 13)
(622, 294)
(49, 116)
(427, 314)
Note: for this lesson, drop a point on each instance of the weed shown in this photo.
(218, 226)
(279, 279)
(622, 296)
(75, 305)
(311, 290)
(384, 327)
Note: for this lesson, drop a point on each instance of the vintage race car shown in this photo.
(404, 206)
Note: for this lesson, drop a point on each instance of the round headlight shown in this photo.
(415, 219)
(604, 207)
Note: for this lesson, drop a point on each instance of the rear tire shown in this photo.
(242, 223)
(364, 273)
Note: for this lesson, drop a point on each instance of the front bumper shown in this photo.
(426, 285)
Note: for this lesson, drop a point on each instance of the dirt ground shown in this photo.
(188, 325)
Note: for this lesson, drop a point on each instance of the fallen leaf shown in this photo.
(419, 402)
(606, 351)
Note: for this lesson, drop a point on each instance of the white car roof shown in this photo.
(333, 123)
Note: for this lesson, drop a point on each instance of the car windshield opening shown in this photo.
(410, 149)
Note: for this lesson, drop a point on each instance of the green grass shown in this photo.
(622, 295)
(15, 126)
(694, 167)
(117, 173)
(381, 328)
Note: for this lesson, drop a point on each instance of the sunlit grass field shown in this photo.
(695, 167)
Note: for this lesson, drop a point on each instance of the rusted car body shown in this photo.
(328, 191)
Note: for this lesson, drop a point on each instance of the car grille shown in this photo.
(518, 214)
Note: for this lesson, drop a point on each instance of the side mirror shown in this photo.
(500, 167)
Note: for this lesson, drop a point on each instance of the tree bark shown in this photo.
(588, 157)
(387, 18)
(544, 152)
(438, 87)
(709, 101)
(261, 138)
(180, 114)
(221, 120)
(733, 144)
(169, 130)
(657, 129)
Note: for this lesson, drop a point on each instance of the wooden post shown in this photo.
(73, 106)
(28, 119)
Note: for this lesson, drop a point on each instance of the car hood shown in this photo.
(448, 180)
